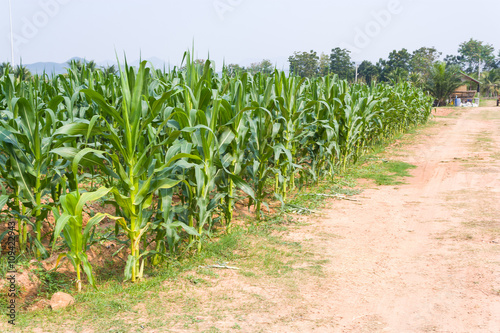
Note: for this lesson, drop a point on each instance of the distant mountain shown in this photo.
(47, 67)
(60, 68)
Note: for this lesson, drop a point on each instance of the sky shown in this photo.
(239, 31)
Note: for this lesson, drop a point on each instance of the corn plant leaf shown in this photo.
(190, 230)
(77, 128)
(109, 110)
(182, 155)
(87, 160)
(39, 246)
(128, 267)
(59, 257)
(123, 202)
(80, 155)
(242, 185)
(90, 224)
(225, 140)
(23, 180)
(8, 137)
(3, 201)
(87, 268)
(28, 118)
(54, 103)
(165, 183)
(61, 222)
(90, 196)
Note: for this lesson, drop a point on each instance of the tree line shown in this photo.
(424, 67)
(472, 56)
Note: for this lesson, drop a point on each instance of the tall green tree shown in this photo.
(304, 64)
(476, 54)
(422, 59)
(341, 63)
(368, 71)
(397, 65)
(420, 64)
(233, 69)
(451, 59)
(265, 66)
(324, 64)
(382, 69)
(399, 59)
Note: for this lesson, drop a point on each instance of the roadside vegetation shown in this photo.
(155, 164)
(251, 251)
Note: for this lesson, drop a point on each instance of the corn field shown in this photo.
(173, 152)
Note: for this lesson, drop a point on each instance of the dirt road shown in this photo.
(421, 257)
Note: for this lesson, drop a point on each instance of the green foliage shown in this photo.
(396, 68)
(5, 67)
(476, 54)
(384, 172)
(324, 64)
(490, 83)
(77, 238)
(304, 64)
(234, 69)
(423, 58)
(442, 81)
(341, 63)
(174, 152)
(265, 66)
(368, 72)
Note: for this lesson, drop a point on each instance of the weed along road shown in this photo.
(417, 254)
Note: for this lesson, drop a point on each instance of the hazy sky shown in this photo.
(240, 31)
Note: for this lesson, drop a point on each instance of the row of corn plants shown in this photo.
(174, 151)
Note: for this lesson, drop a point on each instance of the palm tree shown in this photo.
(490, 83)
(397, 76)
(417, 79)
(22, 72)
(443, 80)
(80, 64)
(91, 65)
(4, 67)
(108, 70)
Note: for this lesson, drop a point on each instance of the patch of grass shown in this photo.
(482, 142)
(258, 251)
(52, 281)
(384, 172)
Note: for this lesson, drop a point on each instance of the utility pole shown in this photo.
(479, 80)
(479, 69)
(356, 78)
(11, 36)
